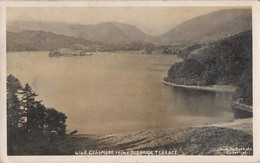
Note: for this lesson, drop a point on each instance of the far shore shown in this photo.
(216, 88)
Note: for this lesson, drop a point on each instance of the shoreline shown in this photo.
(215, 88)
(241, 124)
(242, 106)
(245, 125)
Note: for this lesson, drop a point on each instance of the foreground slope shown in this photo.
(204, 140)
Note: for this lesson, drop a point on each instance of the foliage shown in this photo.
(13, 107)
(223, 62)
(54, 121)
(181, 50)
(244, 90)
(27, 118)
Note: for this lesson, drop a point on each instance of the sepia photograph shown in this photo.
(129, 81)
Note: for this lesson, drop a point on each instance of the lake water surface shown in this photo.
(116, 92)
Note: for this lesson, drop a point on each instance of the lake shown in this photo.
(116, 92)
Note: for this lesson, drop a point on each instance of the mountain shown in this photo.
(209, 27)
(107, 32)
(40, 40)
(134, 33)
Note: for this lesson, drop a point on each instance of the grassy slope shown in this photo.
(204, 140)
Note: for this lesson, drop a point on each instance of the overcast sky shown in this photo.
(151, 20)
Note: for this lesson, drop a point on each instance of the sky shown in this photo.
(151, 20)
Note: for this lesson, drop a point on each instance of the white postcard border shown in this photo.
(256, 83)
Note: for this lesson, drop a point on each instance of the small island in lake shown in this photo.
(68, 53)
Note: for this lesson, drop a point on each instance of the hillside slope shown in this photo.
(40, 40)
(134, 33)
(209, 27)
(224, 62)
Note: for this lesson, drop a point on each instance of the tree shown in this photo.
(14, 89)
(39, 118)
(31, 109)
(27, 119)
(13, 103)
(55, 121)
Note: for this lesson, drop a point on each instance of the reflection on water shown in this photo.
(201, 102)
(113, 93)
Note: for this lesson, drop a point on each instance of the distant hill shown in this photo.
(206, 28)
(29, 40)
(107, 32)
(39, 40)
(209, 27)
(134, 33)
